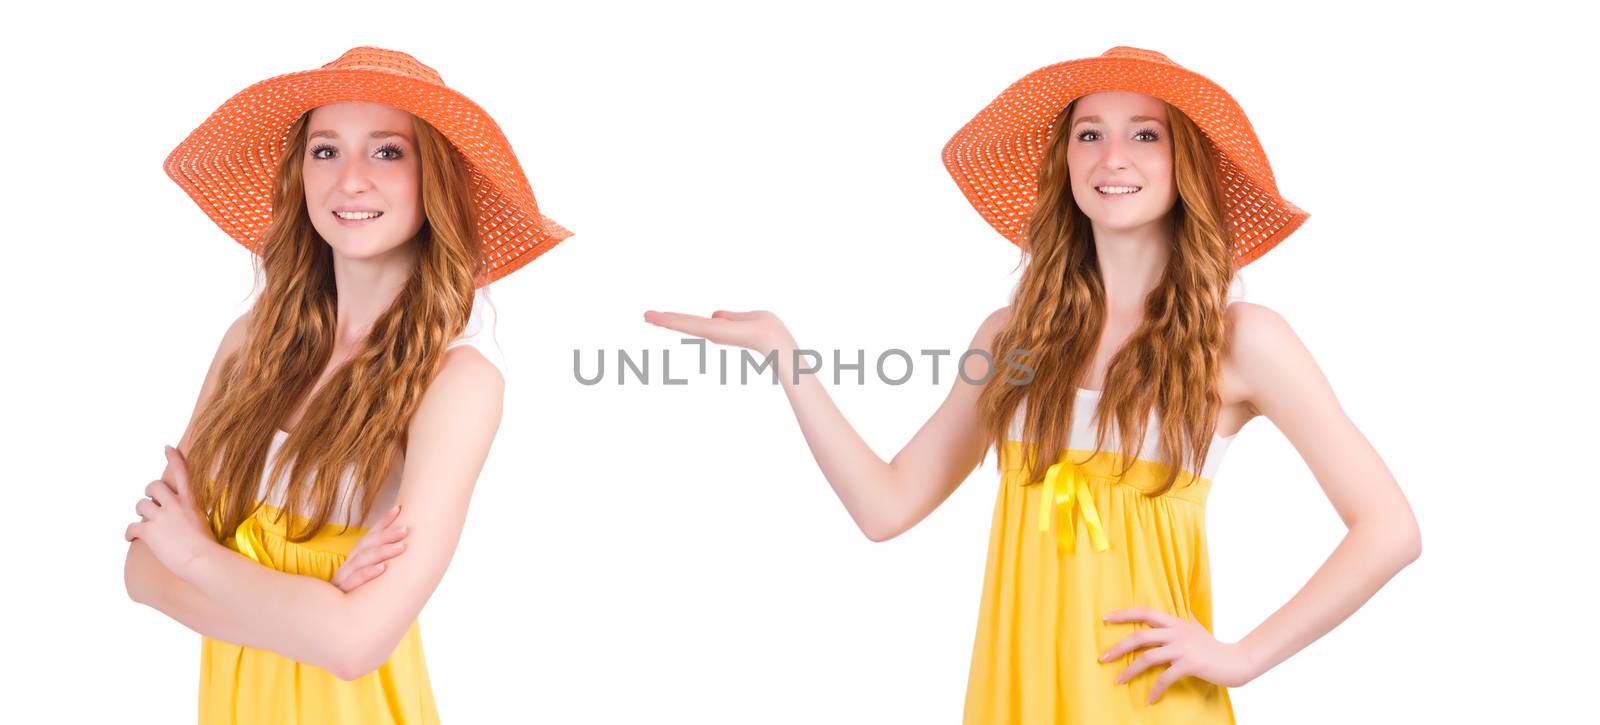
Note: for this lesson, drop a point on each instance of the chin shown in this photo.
(358, 246)
(1126, 219)
(363, 250)
(1125, 222)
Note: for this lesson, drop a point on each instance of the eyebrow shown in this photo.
(375, 134)
(1097, 119)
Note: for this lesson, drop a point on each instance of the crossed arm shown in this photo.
(227, 596)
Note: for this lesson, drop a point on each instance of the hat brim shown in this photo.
(994, 158)
(227, 164)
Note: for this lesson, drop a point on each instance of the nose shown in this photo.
(1116, 154)
(355, 176)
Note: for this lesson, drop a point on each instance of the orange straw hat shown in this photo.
(227, 165)
(995, 157)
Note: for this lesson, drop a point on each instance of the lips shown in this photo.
(356, 218)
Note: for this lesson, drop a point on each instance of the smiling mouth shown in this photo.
(356, 216)
(1118, 190)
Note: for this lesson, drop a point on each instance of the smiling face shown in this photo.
(362, 178)
(1119, 160)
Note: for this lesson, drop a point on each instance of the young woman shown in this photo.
(346, 416)
(1136, 189)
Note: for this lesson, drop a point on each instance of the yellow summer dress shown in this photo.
(1069, 548)
(245, 686)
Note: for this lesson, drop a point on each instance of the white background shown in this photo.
(672, 554)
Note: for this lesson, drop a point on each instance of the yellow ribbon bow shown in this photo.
(1059, 496)
(245, 536)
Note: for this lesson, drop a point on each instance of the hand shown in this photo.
(1185, 645)
(380, 544)
(756, 330)
(170, 522)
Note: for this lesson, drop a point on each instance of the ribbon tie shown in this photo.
(1066, 484)
(246, 538)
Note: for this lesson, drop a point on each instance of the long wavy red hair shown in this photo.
(1171, 363)
(359, 418)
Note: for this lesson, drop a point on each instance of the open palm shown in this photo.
(757, 330)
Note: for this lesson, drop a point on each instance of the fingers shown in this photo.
(359, 577)
(727, 315)
(689, 324)
(382, 532)
(758, 330)
(381, 543)
(180, 472)
(1143, 614)
(374, 554)
(146, 508)
(366, 564)
(1166, 679)
(392, 534)
(161, 491)
(1148, 659)
(656, 317)
(134, 531)
(1137, 640)
(1166, 630)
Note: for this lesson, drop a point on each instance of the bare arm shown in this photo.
(883, 498)
(1285, 384)
(350, 634)
(148, 581)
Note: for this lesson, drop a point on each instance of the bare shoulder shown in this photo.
(991, 326)
(1249, 318)
(975, 367)
(467, 372)
(1262, 351)
(233, 340)
(1256, 329)
(234, 337)
(460, 410)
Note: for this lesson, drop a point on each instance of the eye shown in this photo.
(394, 151)
(1142, 132)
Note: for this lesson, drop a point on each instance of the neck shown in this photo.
(1131, 263)
(366, 288)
